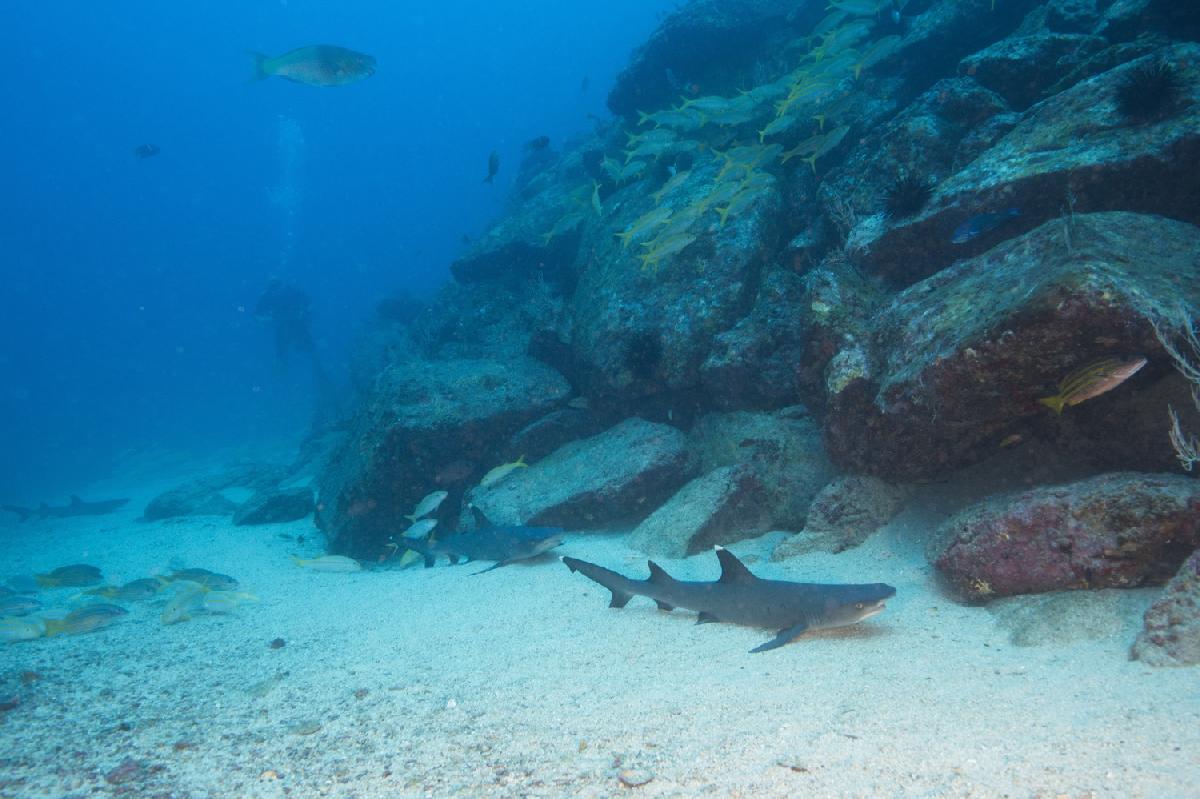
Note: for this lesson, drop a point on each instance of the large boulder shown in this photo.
(959, 360)
(647, 327)
(275, 506)
(1119, 530)
(1074, 151)
(211, 495)
(844, 514)
(1171, 636)
(783, 447)
(1022, 68)
(721, 507)
(617, 477)
(421, 423)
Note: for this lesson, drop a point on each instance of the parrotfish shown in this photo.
(316, 65)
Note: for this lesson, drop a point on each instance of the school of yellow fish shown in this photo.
(733, 141)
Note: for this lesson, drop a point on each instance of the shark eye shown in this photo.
(858, 606)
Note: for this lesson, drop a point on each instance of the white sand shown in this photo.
(521, 682)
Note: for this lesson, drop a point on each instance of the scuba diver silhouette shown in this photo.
(288, 310)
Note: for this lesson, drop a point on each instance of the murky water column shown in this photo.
(288, 195)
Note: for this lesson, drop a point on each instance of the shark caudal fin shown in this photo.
(24, 513)
(601, 575)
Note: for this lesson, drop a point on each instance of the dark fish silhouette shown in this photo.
(536, 144)
(145, 151)
(316, 65)
(504, 545)
(493, 166)
(983, 223)
(77, 507)
(739, 597)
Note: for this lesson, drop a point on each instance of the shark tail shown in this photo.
(598, 574)
(24, 513)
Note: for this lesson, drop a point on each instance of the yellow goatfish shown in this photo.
(504, 470)
(1092, 381)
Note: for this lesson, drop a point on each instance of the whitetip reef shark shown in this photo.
(76, 507)
(504, 545)
(738, 597)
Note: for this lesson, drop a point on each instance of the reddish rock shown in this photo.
(1172, 633)
(1119, 530)
(957, 362)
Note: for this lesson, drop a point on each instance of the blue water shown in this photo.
(128, 285)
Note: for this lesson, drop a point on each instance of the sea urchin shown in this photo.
(907, 196)
(1149, 92)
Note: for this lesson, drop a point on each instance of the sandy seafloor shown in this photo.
(522, 682)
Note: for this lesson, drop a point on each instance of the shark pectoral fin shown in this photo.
(453, 559)
(784, 637)
(663, 605)
(429, 561)
(706, 618)
(496, 565)
(619, 599)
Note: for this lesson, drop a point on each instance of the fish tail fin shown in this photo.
(488, 179)
(724, 214)
(298, 561)
(261, 68)
(17, 509)
(45, 580)
(643, 118)
(1054, 403)
(521, 461)
(601, 575)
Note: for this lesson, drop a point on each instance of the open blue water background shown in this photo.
(128, 285)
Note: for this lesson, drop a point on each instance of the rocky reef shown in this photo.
(846, 249)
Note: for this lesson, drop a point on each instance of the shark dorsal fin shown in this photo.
(75, 500)
(482, 522)
(657, 575)
(732, 569)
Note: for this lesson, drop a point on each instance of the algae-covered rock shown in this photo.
(616, 477)
(1119, 530)
(422, 422)
(962, 358)
(1021, 69)
(721, 507)
(1171, 636)
(1074, 150)
(784, 448)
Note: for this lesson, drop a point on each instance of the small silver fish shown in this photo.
(428, 505)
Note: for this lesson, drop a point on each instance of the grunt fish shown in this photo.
(316, 65)
(210, 580)
(85, 620)
(1092, 381)
(135, 591)
(188, 599)
(428, 504)
(78, 574)
(18, 605)
(329, 563)
(13, 630)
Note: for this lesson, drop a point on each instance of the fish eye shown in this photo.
(858, 606)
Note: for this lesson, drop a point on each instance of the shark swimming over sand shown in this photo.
(76, 507)
(738, 597)
(504, 545)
